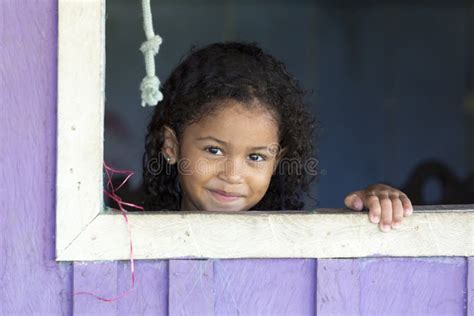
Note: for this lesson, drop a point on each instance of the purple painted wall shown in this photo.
(32, 282)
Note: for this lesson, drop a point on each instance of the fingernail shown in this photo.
(357, 205)
(375, 219)
(408, 211)
(386, 228)
(396, 225)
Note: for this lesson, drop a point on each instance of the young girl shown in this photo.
(233, 133)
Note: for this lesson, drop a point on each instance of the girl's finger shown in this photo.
(407, 207)
(373, 203)
(397, 210)
(353, 201)
(386, 205)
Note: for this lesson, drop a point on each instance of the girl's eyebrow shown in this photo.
(224, 143)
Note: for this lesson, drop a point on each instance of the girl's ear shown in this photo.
(170, 147)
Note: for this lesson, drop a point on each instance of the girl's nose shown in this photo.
(232, 171)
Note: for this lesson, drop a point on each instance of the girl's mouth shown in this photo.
(222, 197)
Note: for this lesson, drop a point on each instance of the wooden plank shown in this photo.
(324, 233)
(338, 287)
(80, 116)
(469, 301)
(100, 279)
(150, 294)
(265, 287)
(191, 287)
(392, 286)
(113, 279)
(31, 282)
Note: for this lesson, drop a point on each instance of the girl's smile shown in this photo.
(224, 197)
(225, 159)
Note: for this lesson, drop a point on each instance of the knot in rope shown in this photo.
(151, 45)
(151, 94)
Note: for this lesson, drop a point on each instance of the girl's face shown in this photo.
(231, 151)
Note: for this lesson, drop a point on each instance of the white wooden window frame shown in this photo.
(85, 232)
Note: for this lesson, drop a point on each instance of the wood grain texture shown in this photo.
(150, 295)
(31, 281)
(253, 234)
(265, 287)
(80, 117)
(392, 286)
(469, 301)
(191, 287)
(338, 287)
(242, 287)
(100, 279)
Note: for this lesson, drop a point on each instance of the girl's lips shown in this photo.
(223, 198)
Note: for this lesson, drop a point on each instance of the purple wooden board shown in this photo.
(98, 278)
(265, 287)
(191, 287)
(392, 286)
(469, 302)
(150, 294)
(338, 290)
(30, 280)
(245, 287)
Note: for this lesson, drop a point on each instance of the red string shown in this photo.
(110, 171)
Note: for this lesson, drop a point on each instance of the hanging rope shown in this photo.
(149, 86)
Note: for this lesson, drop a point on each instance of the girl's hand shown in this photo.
(384, 202)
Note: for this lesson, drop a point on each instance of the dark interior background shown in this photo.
(392, 83)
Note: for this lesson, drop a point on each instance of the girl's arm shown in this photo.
(387, 205)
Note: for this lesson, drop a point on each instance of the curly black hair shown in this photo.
(245, 73)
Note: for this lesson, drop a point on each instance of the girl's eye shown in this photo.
(258, 155)
(212, 150)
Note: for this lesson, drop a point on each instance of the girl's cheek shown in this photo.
(262, 178)
(185, 167)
